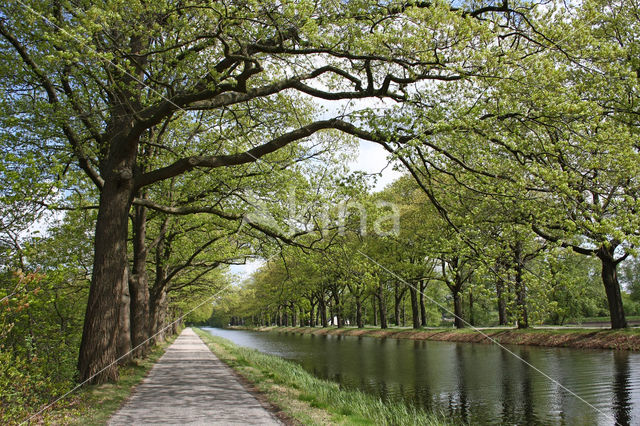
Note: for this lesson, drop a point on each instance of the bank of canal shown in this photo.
(559, 337)
(473, 383)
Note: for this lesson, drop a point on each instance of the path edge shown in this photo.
(260, 396)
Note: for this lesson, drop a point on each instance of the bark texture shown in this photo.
(98, 347)
(612, 287)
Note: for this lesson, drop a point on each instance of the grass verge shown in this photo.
(94, 404)
(307, 399)
(586, 338)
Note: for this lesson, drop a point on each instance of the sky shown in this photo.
(372, 158)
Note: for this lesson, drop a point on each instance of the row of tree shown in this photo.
(493, 273)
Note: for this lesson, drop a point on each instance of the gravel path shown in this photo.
(190, 385)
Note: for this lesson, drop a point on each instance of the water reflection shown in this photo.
(461, 391)
(622, 394)
(471, 383)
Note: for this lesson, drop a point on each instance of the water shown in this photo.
(472, 383)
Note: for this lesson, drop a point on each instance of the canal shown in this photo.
(469, 382)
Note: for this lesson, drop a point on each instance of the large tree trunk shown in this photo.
(323, 312)
(159, 299)
(521, 289)
(521, 302)
(140, 332)
(383, 308)
(423, 310)
(501, 293)
(457, 309)
(612, 287)
(472, 320)
(139, 286)
(396, 305)
(502, 306)
(176, 322)
(158, 315)
(373, 310)
(97, 355)
(312, 315)
(123, 345)
(415, 310)
(359, 321)
(294, 315)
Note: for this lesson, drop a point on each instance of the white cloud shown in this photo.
(373, 159)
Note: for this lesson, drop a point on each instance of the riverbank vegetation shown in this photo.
(310, 400)
(92, 404)
(146, 149)
(626, 339)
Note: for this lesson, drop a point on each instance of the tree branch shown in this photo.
(175, 270)
(189, 163)
(183, 211)
(577, 249)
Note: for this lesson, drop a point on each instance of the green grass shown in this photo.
(555, 331)
(601, 319)
(310, 400)
(543, 329)
(94, 404)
